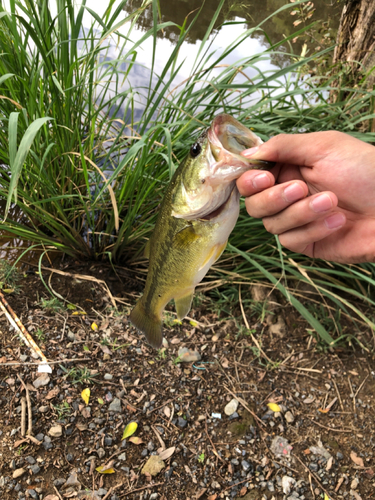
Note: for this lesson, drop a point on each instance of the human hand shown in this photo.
(320, 196)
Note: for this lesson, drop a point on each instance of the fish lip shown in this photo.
(219, 152)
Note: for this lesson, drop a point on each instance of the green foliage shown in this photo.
(9, 276)
(62, 410)
(52, 305)
(80, 375)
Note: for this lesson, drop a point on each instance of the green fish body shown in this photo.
(199, 210)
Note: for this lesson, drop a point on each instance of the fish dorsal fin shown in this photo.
(146, 251)
(183, 305)
(185, 236)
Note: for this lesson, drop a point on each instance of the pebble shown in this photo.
(55, 431)
(101, 492)
(41, 381)
(59, 482)
(33, 494)
(35, 469)
(181, 422)
(108, 441)
(122, 456)
(231, 407)
(245, 465)
(188, 356)
(31, 460)
(23, 357)
(153, 496)
(108, 376)
(43, 409)
(18, 473)
(115, 406)
(289, 417)
(100, 452)
(313, 467)
(69, 457)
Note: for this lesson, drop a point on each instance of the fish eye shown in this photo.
(195, 150)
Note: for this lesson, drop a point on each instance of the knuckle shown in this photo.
(269, 225)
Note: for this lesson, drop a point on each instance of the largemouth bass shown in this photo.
(199, 211)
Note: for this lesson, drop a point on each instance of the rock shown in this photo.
(59, 482)
(115, 406)
(72, 481)
(69, 457)
(354, 484)
(18, 473)
(55, 431)
(154, 496)
(35, 469)
(122, 457)
(153, 465)
(101, 492)
(42, 380)
(231, 407)
(287, 483)
(215, 485)
(100, 452)
(108, 441)
(33, 494)
(23, 357)
(246, 466)
(31, 460)
(71, 336)
(181, 422)
(187, 356)
(281, 447)
(320, 451)
(108, 376)
(43, 409)
(289, 417)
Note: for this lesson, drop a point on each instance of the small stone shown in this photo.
(39, 436)
(154, 496)
(100, 452)
(71, 336)
(35, 469)
(215, 485)
(41, 381)
(115, 406)
(187, 356)
(245, 465)
(59, 482)
(108, 376)
(33, 494)
(289, 417)
(354, 484)
(101, 492)
(43, 409)
(69, 457)
(71, 481)
(31, 460)
(23, 358)
(150, 446)
(231, 407)
(339, 456)
(181, 422)
(122, 457)
(55, 431)
(18, 473)
(313, 467)
(108, 441)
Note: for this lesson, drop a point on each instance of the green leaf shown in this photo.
(129, 430)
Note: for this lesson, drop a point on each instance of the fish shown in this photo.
(198, 212)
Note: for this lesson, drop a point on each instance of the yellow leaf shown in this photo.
(136, 440)
(129, 430)
(85, 395)
(274, 407)
(79, 313)
(102, 469)
(326, 497)
(8, 290)
(94, 326)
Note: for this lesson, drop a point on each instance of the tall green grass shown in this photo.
(62, 146)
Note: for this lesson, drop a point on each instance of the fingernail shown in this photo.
(250, 152)
(335, 221)
(261, 181)
(321, 203)
(293, 192)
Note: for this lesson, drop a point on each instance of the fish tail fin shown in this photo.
(149, 324)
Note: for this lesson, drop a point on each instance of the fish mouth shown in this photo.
(228, 138)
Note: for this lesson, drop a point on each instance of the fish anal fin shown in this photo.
(149, 324)
(183, 305)
(185, 237)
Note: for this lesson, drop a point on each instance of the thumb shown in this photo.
(295, 149)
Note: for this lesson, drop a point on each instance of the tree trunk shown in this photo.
(356, 35)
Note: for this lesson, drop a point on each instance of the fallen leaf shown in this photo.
(94, 326)
(167, 411)
(329, 463)
(104, 469)
(326, 497)
(212, 497)
(200, 493)
(164, 455)
(100, 401)
(85, 395)
(136, 440)
(53, 393)
(356, 459)
(309, 400)
(81, 427)
(153, 465)
(129, 430)
(274, 407)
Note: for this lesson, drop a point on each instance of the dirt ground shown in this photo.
(315, 441)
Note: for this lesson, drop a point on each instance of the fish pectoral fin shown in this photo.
(150, 325)
(183, 305)
(146, 251)
(213, 254)
(185, 237)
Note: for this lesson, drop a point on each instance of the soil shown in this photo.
(315, 441)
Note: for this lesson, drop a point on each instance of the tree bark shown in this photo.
(356, 35)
